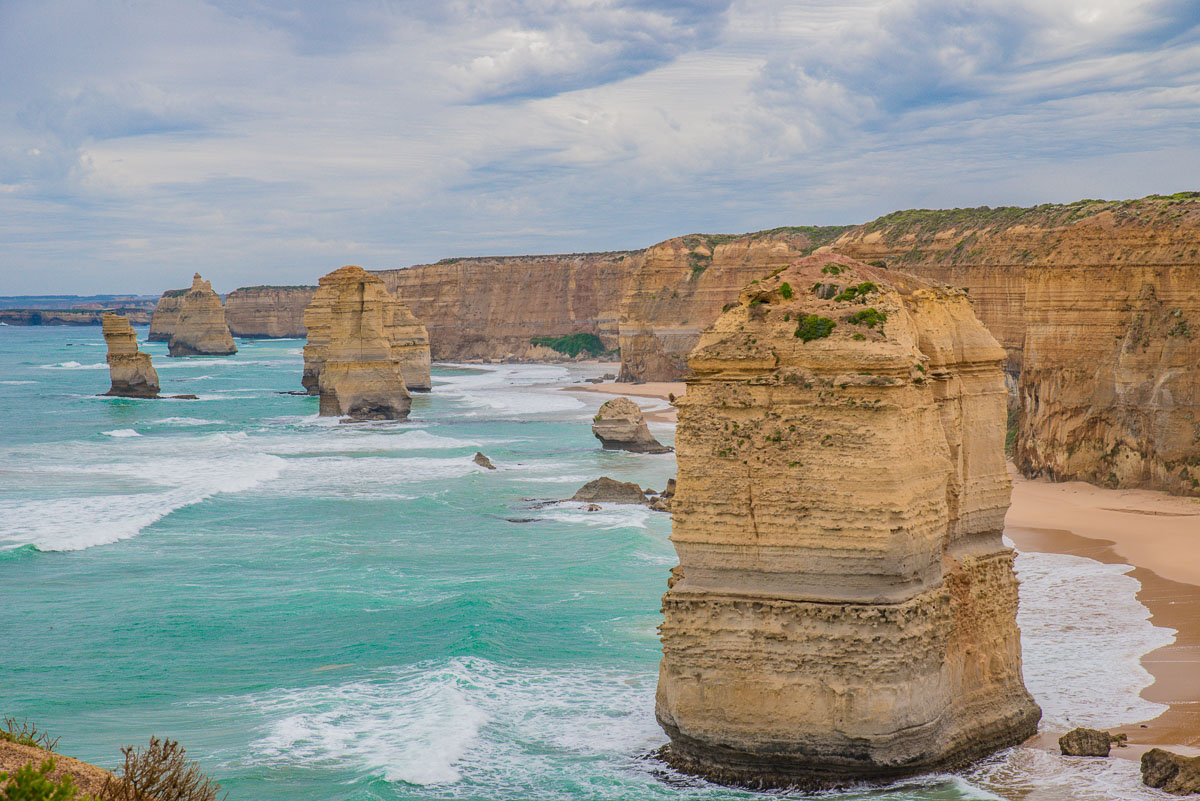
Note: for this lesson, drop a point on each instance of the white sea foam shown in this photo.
(1033, 773)
(13, 383)
(610, 516)
(184, 422)
(1083, 633)
(351, 439)
(433, 723)
(366, 476)
(75, 366)
(121, 433)
(160, 479)
(510, 390)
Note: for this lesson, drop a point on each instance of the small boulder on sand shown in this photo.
(1171, 773)
(620, 426)
(1085, 742)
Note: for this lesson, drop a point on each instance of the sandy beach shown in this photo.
(1159, 535)
(650, 389)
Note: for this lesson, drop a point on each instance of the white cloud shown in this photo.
(265, 142)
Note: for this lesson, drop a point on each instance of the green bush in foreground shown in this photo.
(34, 784)
(814, 326)
(856, 291)
(573, 344)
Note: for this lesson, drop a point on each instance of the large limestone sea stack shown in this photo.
(408, 340)
(133, 376)
(200, 327)
(844, 607)
(350, 342)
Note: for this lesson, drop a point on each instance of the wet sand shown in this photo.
(1159, 535)
(651, 389)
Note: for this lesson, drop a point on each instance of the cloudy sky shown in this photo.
(264, 141)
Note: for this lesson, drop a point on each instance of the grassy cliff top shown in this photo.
(926, 223)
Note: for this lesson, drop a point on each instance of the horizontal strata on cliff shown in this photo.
(268, 312)
(490, 308)
(1098, 307)
(844, 606)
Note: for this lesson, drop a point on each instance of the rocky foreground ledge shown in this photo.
(844, 608)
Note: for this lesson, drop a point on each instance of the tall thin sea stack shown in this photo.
(358, 375)
(844, 608)
(132, 374)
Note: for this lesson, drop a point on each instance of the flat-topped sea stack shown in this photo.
(844, 608)
(408, 339)
(133, 375)
(200, 328)
(620, 426)
(166, 315)
(357, 376)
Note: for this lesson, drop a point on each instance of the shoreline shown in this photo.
(1142, 528)
(651, 389)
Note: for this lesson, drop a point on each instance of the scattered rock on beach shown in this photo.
(1170, 772)
(1085, 742)
(620, 426)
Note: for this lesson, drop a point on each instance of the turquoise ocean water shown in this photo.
(326, 611)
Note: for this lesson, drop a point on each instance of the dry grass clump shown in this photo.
(159, 772)
(23, 732)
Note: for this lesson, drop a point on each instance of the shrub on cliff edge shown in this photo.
(34, 784)
(573, 344)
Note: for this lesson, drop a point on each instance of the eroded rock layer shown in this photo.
(844, 606)
(133, 375)
(268, 312)
(490, 308)
(358, 377)
(1098, 306)
(678, 287)
(166, 315)
(200, 327)
(409, 341)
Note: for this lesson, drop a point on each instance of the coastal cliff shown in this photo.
(200, 327)
(490, 308)
(410, 346)
(350, 346)
(678, 287)
(132, 373)
(1096, 304)
(69, 316)
(267, 312)
(844, 607)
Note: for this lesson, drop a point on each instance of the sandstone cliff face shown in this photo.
(844, 606)
(490, 308)
(1098, 307)
(267, 312)
(678, 287)
(133, 376)
(358, 377)
(166, 315)
(408, 338)
(200, 327)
